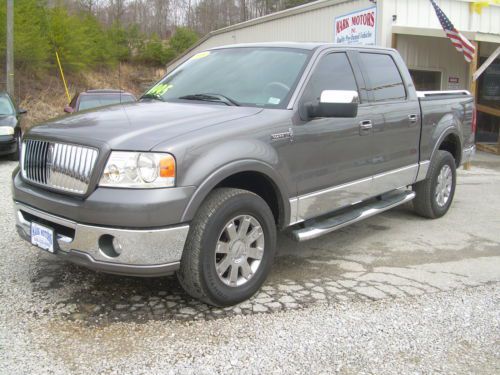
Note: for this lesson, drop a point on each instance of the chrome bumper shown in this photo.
(154, 252)
(468, 154)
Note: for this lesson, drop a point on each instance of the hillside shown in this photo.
(44, 97)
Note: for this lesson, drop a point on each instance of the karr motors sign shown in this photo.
(357, 28)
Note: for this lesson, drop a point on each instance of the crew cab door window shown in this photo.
(384, 78)
(333, 72)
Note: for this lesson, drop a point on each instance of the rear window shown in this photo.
(385, 81)
(89, 101)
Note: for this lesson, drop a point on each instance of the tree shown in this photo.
(183, 39)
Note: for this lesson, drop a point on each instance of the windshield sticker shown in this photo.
(160, 89)
(200, 55)
(274, 101)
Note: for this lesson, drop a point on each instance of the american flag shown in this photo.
(460, 42)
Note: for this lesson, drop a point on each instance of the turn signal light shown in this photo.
(167, 166)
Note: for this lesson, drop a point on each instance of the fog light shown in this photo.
(110, 246)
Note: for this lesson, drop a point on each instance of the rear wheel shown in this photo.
(435, 194)
(230, 248)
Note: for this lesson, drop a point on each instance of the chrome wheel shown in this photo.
(444, 185)
(239, 250)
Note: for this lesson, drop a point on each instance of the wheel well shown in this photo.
(452, 144)
(261, 185)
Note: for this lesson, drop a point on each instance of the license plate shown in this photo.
(43, 237)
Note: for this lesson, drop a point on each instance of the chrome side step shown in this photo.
(330, 224)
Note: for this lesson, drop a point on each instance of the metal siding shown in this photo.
(444, 57)
(420, 13)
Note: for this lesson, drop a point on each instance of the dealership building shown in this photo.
(410, 26)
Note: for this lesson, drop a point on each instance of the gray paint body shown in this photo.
(211, 142)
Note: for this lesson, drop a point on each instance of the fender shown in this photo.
(244, 165)
(451, 130)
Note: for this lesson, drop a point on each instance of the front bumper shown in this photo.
(143, 252)
(8, 144)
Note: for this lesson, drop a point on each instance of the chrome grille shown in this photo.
(59, 166)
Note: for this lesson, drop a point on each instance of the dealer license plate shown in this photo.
(42, 236)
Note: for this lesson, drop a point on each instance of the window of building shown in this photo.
(385, 80)
(426, 80)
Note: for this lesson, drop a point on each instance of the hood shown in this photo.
(8, 120)
(137, 126)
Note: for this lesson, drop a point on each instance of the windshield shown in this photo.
(262, 77)
(89, 101)
(6, 107)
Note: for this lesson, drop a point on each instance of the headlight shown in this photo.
(6, 130)
(141, 170)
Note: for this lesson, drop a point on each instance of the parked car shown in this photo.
(232, 146)
(10, 127)
(98, 98)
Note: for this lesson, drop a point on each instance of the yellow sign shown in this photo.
(160, 89)
(200, 55)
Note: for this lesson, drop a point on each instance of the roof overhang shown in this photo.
(439, 33)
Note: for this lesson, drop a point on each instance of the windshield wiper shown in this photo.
(153, 96)
(211, 98)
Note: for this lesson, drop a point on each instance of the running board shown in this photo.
(333, 223)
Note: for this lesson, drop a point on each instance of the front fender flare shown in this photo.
(245, 165)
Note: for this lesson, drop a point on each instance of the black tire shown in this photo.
(15, 155)
(197, 274)
(426, 203)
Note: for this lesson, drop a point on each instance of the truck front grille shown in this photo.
(59, 166)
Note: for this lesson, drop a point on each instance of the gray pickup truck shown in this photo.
(232, 146)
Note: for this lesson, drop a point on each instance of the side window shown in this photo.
(333, 72)
(384, 77)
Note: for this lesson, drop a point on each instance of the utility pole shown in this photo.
(10, 47)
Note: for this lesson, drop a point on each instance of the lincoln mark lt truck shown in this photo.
(233, 145)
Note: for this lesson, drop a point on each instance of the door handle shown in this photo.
(366, 125)
(413, 118)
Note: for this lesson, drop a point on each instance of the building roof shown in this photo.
(298, 45)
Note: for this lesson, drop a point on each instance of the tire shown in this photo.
(428, 202)
(213, 242)
(15, 155)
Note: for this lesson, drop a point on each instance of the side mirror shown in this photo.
(68, 109)
(22, 111)
(336, 103)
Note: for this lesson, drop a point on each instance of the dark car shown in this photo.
(237, 143)
(98, 98)
(10, 129)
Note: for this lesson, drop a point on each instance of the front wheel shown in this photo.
(435, 194)
(229, 249)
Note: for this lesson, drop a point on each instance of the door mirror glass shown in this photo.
(22, 111)
(336, 103)
(68, 109)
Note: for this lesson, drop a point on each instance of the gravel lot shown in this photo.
(393, 294)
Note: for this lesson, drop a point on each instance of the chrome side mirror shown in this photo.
(336, 103)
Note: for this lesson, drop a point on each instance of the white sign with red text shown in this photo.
(357, 28)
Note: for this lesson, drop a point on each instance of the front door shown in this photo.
(332, 155)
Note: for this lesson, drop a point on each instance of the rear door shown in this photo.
(396, 120)
(332, 155)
